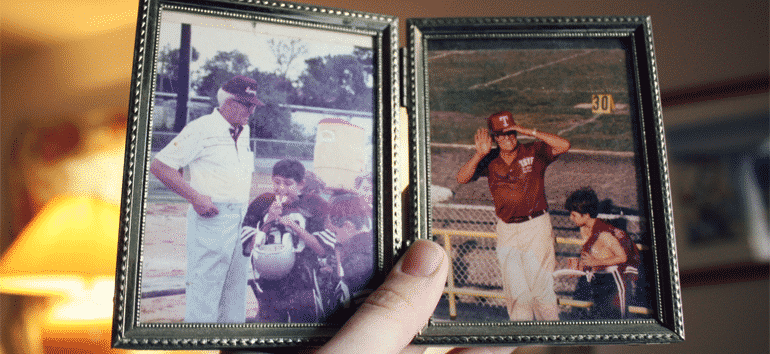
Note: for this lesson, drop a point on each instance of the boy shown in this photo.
(609, 257)
(352, 265)
(277, 234)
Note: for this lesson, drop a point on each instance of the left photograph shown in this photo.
(255, 191)
(246, 173)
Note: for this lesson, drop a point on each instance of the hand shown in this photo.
(293, 220)
(483, 141)
(587, 260)
(250, 236)
(275, 210)
(393, 314)
(204, 207)
(400, 307)
(523, 130)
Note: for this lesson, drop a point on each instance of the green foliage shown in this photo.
(217, 70)
(340, 82)
(269, 122)
(168, 67)
(285, 53)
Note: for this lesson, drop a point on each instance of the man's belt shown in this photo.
(518, 219)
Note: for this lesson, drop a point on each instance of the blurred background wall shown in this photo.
(65, 75)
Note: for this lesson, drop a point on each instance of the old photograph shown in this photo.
(260, 192)
(538, 125)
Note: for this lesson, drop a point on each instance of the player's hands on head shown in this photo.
(483, 141)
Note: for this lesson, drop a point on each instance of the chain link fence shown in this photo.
(474, 288)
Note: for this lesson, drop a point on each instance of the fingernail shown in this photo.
(422, 259)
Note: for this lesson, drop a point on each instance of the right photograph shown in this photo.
(544, 172)
(513, 179)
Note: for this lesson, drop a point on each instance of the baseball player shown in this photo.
(348, 225)
(215, 148)
(278, 233)
(515, 173)
(609, 257)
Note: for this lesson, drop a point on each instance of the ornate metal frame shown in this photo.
(128, 330)
(634, 34)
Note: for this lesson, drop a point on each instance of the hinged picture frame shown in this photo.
(329, 108)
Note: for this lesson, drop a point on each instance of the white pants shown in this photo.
(526, 255)
(216, 268)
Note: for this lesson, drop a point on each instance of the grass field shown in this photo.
(542, 88)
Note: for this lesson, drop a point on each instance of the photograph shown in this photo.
(721, 198)
(531, 135)
(262, 195)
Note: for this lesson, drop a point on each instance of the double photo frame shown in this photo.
(348, 149)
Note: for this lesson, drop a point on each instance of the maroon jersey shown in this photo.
(517, 189)
(629, 247)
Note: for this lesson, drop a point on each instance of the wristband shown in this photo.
(534, 132)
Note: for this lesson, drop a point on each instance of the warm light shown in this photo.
(69, 19)
(67, 256)
(71, 236)
(57, 286)
(86, 304)
(68, 253)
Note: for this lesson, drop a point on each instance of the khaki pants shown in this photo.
(216, 268)
(526, 256)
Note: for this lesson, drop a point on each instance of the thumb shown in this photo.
(394, 313)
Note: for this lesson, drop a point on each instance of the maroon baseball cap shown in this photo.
(501, 122)
(244, 89)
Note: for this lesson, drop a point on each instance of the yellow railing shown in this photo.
(452, 292)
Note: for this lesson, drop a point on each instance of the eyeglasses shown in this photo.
(512, 132)
(248, 105)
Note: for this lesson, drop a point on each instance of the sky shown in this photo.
(212, 34)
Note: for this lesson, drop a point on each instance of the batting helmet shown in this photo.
(501, 122)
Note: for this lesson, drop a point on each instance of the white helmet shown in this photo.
(273, 256)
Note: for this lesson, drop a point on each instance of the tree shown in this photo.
(217, 70)
(273, 121)
(340, 82)
(285, 53)
(168, 67)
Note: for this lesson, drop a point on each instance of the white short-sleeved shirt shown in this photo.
(219, 167)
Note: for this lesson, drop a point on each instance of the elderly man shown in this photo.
(516, 177)
(215, 149)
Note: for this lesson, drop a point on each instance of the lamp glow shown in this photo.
(67, 253)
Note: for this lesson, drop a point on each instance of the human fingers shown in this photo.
(518, 128)
(483, 350)
(481, 134)
(483, 141)
(207, 210)
(394, 313)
